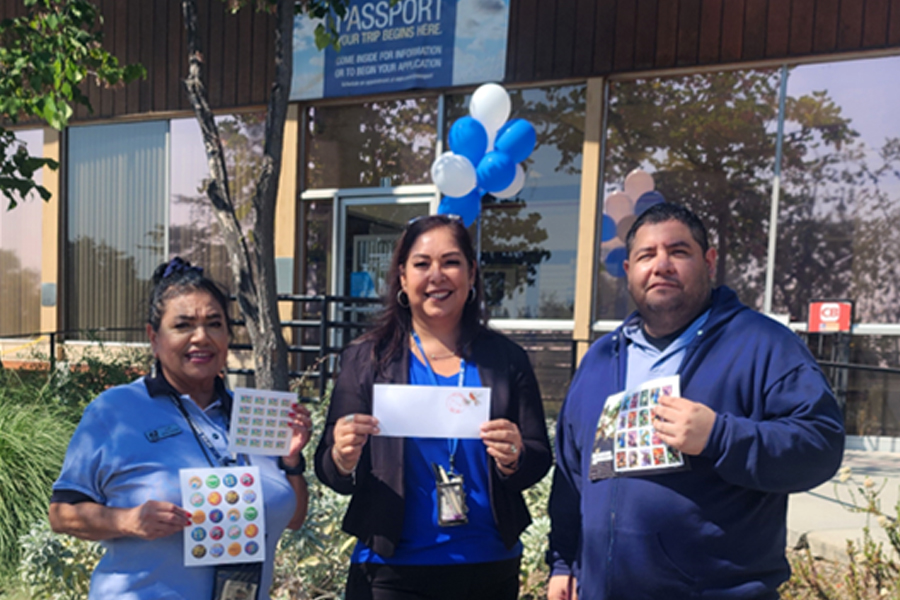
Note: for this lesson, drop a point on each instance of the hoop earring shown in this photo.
(402, 299)
(472, 295)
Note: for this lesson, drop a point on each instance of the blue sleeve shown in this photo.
(565, 495)
(86, 461)
(797, 445)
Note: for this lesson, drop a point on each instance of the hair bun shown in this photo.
(174, 268)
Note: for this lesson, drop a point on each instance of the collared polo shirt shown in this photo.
(128, 449)
(647, 362)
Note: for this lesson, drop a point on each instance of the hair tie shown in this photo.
(177, 266)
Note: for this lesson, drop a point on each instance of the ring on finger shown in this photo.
(513, 449)
(348, 418)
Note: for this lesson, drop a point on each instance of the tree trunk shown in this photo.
(252, 264)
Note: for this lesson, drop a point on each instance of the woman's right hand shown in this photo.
(351, 432)
(154, 519)
(562, 587)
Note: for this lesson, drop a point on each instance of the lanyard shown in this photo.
(453, 442)
(201, 438)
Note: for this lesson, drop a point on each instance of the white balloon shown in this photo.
(492, 135)
(453, 174)
(515, 187)
(619, 205)
(490, 105)
(637, 183)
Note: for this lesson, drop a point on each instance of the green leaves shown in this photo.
(45, 56)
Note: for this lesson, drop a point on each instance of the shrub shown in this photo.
(57, 567)
(33, 441)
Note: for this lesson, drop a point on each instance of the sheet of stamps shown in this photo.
(261, 422)
(227, 513)
(625, 442)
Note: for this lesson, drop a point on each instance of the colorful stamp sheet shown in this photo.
(261, 422)
(625, 441)
(227, 513)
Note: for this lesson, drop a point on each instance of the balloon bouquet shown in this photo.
(621, 210)
(484, 157)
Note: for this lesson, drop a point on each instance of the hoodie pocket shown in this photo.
(641, 568)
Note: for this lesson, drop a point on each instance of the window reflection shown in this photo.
(363, 144)
(840, 208)
(528, 242)
(194, 230)
(116, 223)
(709, 142)
(20, 253)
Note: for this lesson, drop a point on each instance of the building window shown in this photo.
(708, 140)
(528, 243)
(839, 212)
(116, 223)
(20, 254)
(194, 230)
(371, 144)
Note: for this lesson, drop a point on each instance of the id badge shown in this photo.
(238, 581)
(451, 496)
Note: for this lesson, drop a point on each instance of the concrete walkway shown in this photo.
(822, 517)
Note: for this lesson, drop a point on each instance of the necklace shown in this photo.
(434, 356)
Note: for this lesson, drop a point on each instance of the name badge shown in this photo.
(154, 435)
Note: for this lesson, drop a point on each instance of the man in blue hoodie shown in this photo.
(754, 421)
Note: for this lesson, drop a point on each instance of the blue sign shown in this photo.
(410, 44)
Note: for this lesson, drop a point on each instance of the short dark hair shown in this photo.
(394, 325)
(176, 278)
(667, 211)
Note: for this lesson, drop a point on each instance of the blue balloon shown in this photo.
(647, 200)
(466, 207)
(614, 262)
(468, 138)
(517, 138)
(495, 172)
(608, 230)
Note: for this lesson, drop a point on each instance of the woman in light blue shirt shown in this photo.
(120, 479)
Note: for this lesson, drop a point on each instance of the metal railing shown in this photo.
(326, 325)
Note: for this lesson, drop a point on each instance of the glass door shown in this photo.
(369, 228)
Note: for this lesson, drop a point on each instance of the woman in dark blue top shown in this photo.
(418, 539)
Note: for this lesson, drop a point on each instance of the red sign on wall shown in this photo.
(830, 316)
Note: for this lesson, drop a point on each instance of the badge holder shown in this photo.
(237, 581)
(451, 497)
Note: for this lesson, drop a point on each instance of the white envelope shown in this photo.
(431, 411)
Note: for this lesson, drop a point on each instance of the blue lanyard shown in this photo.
(453, 442)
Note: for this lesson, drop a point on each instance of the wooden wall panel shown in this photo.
(732, 31)
(778, 28)
(826, 25)
(710, 31)
(667, 33)
(645, 34)
(543, 51)
(755, 16)
(523, 69)
(626, 23)
(263, 37)
(850, 25)
(563, 48)
(688, 32)
(894, 24)
(803, 15)
(605, 38)
(548, 40)
(875, 23)
(586, 39)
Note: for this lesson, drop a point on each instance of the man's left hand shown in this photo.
(683, 424)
